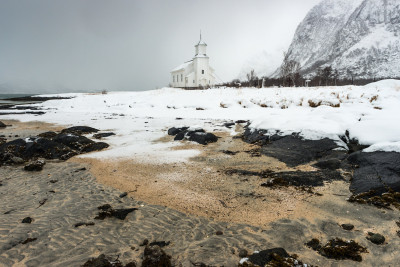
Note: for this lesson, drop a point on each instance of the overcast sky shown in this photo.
(90, 45)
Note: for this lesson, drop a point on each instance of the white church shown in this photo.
(195, 73)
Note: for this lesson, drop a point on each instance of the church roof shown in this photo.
(183, 66)
(201, 42)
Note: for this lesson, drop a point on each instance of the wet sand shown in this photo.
(184, 203)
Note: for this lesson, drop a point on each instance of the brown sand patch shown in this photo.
(201, 186)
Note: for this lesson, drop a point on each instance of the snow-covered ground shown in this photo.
(370, 113)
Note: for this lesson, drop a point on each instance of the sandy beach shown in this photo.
(184, 204)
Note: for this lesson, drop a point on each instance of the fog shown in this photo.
(51, 46)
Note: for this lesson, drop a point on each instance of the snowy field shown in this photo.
(370, 113)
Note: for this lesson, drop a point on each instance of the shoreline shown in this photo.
(197, 193)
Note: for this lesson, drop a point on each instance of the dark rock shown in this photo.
(229, 124)
(338, 249)
(347, 226)
(124, 194)
(145, 242)
(265, 256)
(80, 130)
(79, 143)
(295, 178)
(161, 244)
(314, 244)
(83, 224)
(27, 220)
(154, 256)
(377, 171)
(330, 164)
(102, 135)
(377, 239)
(243, 253)
(48, 135)
(34, 147)
(108, 211)
(291, 149)
(2, 125)
(241, 121)
(28, 240)
(219, 233)
(53, 181)
(202, 138)
(36, 165)
(175, 131)
(180, 136)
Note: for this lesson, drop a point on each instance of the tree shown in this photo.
(252, 78)
(290, 70)
(327, 74)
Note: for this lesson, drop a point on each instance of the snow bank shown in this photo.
(370, 113)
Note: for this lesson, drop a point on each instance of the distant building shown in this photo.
(195, 73)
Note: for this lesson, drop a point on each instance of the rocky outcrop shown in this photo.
(359, 38)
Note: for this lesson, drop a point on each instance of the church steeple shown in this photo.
(201, 47)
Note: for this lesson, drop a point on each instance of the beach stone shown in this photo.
(175, 131)
(377, 171)
(180, 136)
(2, 125)
(155, 256)
(103, 261)
(102, 135)
(243, 253)
(27, 220)
(79, 143)
(124, 194)
(80, 130)
(219, 233)
(377, 239)
(347, 226)
(36, 165)
(202, 138)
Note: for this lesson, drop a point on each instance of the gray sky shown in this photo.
(89, 45)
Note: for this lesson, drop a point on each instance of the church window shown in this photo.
(202, 71)
(181, 77)
(193, 81)
(173, 78)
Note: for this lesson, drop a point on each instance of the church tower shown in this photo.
(201, 64)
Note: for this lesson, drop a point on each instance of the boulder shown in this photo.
(265, 256)
(375, 171)
(202, 138)
(36, 165)
(80, 130)
(174, 131)
(2, 125)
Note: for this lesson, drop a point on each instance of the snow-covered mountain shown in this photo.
(357, 37)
